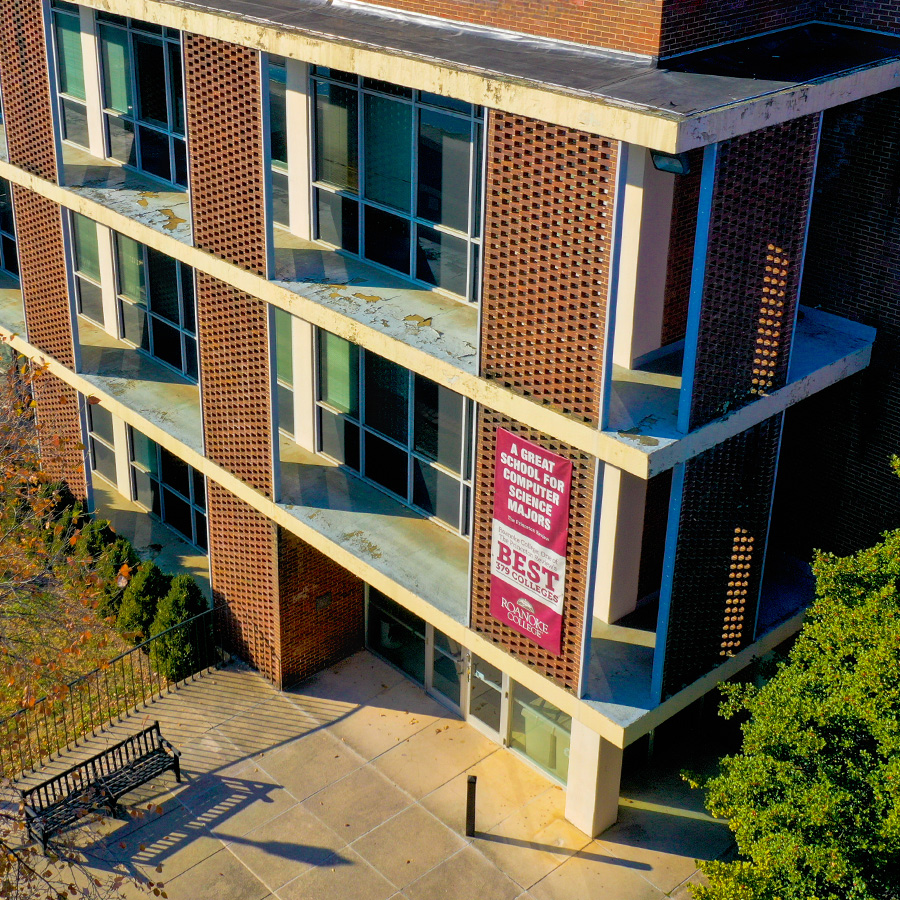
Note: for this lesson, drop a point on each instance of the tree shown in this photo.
(140, 600)
(179, 654)
(813, 797)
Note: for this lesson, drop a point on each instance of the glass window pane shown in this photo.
(155, 153)
(146, 491)
(387, 397)
(199, 488)
(541, 731)
(90, 300)
(166, 343)
(122, 143)
(386, 464)
(445, 102)
(436, 493)
(190, 358)
(6, 209)
(281, 199)
(115, 56)
(150, 65)
(176, 93)
(187, 296)
(200, 538)
(338, 373)
(174, 472)
(179, 151)
(278, 111)
(396, 635)
(285, 409)
(337, 139)
(134, 324)
(103, 460)
(441, 260)
(445, 676)
(10, 255)
(438, 423)
(68, 49)
(339, 438)
(485, 700)
(101, 423)
(387, 239)
(385, 87)
(75, 126)
(284, 354)
(130, 264)
(336, 74)
(388, 126)
(143, 451)
(87, 254)
(338, 220)
(444, 148)
(178, 514)
(476, 187)
(162, 283)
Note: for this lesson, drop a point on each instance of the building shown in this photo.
(531, 346)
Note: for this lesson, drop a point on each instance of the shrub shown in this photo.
(180, 653)
(122, 553)
(140, 600)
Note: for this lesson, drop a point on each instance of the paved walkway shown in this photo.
(352, 787)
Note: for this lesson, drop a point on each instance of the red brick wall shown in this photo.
(59, 429)
(25, 84)
(631, 25)
(322, 609)
(881, 15)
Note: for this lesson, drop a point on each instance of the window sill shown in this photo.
(416, 553)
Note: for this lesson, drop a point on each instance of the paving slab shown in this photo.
(465, 876)
(347, 877)
(590, 874)
(221, 876)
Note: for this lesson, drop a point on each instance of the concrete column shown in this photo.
(643, 259)
(93, 93)
(106, 256)
(297, 114)
(618, 556)
(123, 457)
(595, 770)
(304, 346)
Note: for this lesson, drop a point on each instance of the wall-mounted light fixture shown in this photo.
(676, 163)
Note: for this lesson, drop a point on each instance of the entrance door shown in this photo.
(487, 693)
(446, 667)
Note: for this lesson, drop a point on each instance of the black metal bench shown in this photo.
(97, 782)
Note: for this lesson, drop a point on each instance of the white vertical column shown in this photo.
(93, 94)
(640, 291)
(595, 771)
(303, 339)
(297, 113)
(123, 452)
(105, 256)
(618, 555)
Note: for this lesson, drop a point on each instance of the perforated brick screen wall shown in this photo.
(631, 25)
(680, 261)
(25, 84)
(566, 668)
(59, 427)
(322, 609)
(244, 566)
(758, 222)
(690, 24)
(42, 269)
(546, 267)
(838, 491)
(225, 138)
(719, 556)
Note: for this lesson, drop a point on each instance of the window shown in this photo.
(398, 178)
(169, 488)
(278, 139)
(143, 96)
(156, 305)
(9, 258)
(70, 66)
(284, 370)
(399, 430)
(541, 731)
(87, 268)
(102, 442)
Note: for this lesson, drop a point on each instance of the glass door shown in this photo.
(487, 696)
(446, 668)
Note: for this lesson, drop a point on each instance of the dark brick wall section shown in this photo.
(691, 24)
(719, 557)
(42, 269)
(244, 566)
(680, 263)
(880, 15)
(25, 84)
(760, 205)
(842, 438)
(630, 25)
(59, 428)
(225, 136)
(546, 267)
(564, 669)
(322, 609)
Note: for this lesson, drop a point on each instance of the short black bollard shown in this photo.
(470, 806)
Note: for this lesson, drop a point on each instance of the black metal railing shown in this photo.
(35, 734)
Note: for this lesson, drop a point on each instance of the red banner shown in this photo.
(528, 544)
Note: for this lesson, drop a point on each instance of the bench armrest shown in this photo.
(164, 743)
(30, 811)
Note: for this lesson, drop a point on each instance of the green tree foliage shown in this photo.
(179, 653)
(114, 572)
(139, 601)
(814, 795)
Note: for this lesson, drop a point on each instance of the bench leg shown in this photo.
(177, 768)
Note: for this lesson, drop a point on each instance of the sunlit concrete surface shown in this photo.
(150, 537)
(352, 787)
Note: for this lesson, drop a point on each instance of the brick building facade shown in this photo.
(306, 276)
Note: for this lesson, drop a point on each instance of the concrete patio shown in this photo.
(352, 787)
